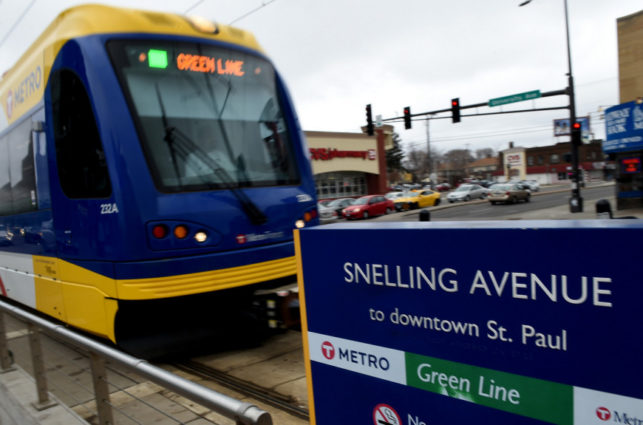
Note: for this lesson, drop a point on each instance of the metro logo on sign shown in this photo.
(328, 350)
(366, 359)
(603, 413)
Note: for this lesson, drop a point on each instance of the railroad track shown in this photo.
(281, 401)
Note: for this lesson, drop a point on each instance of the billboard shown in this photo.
(563, 128)
(624, 128)
(406, 323)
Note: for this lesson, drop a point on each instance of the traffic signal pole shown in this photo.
(576, 201)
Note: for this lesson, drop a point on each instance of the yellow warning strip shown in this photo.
(304, 328)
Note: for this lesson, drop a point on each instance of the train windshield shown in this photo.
(208, 117)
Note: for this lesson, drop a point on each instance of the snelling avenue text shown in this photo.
(569, 289)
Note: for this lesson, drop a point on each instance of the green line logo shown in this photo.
(534, 398)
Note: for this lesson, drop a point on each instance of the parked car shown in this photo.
(508, 193)
(395, 195)
(332, 210)
(443, 187)
(419, 199)
(369, 206)
(466, 192)
(338, 205)
(532, 185)
(326, 214)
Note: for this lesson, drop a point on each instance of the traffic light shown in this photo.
(455, 110)
(576, 136)
(407, 117)
(369, 121)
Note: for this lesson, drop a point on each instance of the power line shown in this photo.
(15, 24)
(263, 4)
(193, 6)
(520, 130)
(418, 143)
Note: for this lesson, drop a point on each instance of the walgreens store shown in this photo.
(348, 164)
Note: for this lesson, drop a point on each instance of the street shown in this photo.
(483, 210)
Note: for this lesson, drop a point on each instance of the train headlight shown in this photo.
(200, 236)
(300, 224)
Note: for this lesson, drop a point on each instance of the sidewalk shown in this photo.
(563, 213)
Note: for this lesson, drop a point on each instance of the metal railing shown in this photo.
(241, 412)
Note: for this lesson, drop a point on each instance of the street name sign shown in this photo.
(534, 94)
(522, 323)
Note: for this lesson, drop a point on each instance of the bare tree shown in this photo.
(485, 153)
(459, 158)
(415, 163)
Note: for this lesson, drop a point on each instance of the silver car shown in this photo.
(508, 193)
(466, 192)
(333, 210)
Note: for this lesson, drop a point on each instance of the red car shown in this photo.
(369, 206)
(443, 187)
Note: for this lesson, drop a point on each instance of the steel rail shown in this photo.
(243, 413)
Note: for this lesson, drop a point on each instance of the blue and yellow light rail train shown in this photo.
(152, 169)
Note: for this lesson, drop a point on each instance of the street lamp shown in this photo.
(576, 201)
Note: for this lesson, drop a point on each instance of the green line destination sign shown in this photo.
(534, 94)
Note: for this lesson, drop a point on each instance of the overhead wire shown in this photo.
(15, 24)
(193, 6)
(245, 15)
(469, 136)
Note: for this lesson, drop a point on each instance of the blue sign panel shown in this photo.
(530, 322)
(624, 128)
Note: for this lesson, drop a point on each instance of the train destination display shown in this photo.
(531, 322)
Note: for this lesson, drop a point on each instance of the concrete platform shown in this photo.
(19, 403)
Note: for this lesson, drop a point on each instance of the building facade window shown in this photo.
(530, 160)
(554, 158)
(340, 185)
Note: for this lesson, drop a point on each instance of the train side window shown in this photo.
(21, 169)
(5, 183)
(82, 168)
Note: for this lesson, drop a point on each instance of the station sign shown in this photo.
(624, 128)
(530, 322)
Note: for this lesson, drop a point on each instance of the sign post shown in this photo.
(423, 334)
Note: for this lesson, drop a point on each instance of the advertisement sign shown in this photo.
(406, 323)
(624, 128)
(562, 127)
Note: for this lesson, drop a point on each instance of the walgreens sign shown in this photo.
(326, 154)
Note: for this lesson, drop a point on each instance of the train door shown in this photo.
(81, 189)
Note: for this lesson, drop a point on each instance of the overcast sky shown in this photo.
(338, 55)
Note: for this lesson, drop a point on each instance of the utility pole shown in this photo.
(576, 201)
(428, 146)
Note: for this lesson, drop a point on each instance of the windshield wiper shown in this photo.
(169, 139)
(179, 143)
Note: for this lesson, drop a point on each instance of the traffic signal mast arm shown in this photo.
(479, 105)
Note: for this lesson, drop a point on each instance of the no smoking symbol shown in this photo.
(383, 414)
